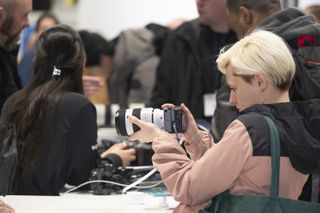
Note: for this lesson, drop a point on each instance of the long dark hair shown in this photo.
(59, 47)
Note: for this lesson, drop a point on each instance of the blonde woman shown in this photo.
(259, 70)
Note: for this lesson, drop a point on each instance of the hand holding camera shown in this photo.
(126, 155)
(189, 125)
(147, 132)
(151, 121)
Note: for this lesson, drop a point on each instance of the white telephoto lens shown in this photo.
(146, 114)
(114, 108)
(158, 118)
(129, 125)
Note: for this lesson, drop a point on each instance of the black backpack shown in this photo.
(306, 53)
(8, 161)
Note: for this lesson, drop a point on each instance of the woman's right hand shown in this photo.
(189, 125)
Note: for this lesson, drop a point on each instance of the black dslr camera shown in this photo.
(122, 175)
(168, 119)
(107, 171)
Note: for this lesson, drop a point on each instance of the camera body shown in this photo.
(107, 171)
(168, 119)
(122, 175)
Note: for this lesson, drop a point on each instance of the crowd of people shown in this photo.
(219, 68)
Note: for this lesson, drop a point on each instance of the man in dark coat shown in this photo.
(13, 18)
(187, 71)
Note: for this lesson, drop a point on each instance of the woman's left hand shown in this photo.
(147, 132)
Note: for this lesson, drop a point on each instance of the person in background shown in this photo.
(259, 72)
(54, 122)
(99, 63)
(137, 53)
(263, 8)
(13, 18)
(25, 68)
(311, 7)
(187, 71)
(5, 208)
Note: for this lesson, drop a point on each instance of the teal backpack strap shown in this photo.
(315, 187)
(275, 157)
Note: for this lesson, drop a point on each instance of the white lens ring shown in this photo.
(129, 125)
(146, 114)
(158, 118)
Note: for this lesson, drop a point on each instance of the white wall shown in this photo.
(109, 17)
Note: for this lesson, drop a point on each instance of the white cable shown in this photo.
(139, 181)
(110, 182)
(181, 140)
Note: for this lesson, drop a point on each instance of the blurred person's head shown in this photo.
(98, 50)
(106, 53)
(315, 11)
(95, 46)
(311, 7)
(245, 15)
(13, 18)
(258, 70)
(99, 54)
(45, 21)
(212, 13)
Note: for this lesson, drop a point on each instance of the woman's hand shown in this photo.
(126, 155)
(5, 208)
(189, 125)
(147, 132)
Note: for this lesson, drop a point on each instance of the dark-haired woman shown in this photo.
(54, 122)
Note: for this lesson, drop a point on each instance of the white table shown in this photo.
(78, 203)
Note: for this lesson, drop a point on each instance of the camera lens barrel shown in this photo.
(124, 127)
(165, 119)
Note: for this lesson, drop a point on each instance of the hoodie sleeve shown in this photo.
(197, 148)
(195, 182)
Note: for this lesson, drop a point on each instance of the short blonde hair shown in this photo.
(260, 51)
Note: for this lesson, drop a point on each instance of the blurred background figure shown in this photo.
(25, 67)
(13, 18)
(98, 64)
(187, 71)
(311, 7)
(137, 53)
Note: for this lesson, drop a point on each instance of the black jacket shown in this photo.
(297, 123)
(66, 154)
(9, 78)
(187, 68)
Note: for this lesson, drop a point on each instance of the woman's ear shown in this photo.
(245, 16)
(261, 81)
